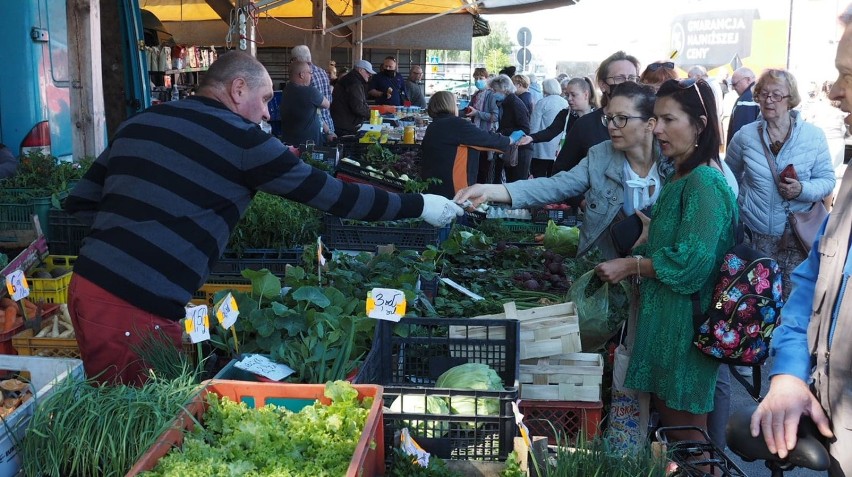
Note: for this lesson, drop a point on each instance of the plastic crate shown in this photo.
(26, 344)
(66, 233)
(565, 419)
(558, 216)
(344, 234)
(358, 175)
(231, 264)
(409, 365)
(52, 290)
(6, 345)
(204, 296)
(17, 216)
(44, 373)
(368, 459)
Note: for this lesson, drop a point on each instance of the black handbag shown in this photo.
(626, 232)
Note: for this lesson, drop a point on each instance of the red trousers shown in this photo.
(107, 327)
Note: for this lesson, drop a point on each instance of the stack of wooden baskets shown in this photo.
(560, 386)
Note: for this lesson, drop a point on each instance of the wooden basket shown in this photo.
(546, 331)
(570, 377)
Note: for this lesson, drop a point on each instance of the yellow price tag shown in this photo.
(227, 311)
(198, 327)
(17, 286)
(386, 304)
(188, 325)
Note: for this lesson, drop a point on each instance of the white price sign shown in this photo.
(197, 323)
(259, 364)
(17, 286)
(227, 311)
(386, 304)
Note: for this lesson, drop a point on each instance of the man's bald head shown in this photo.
(741, 79)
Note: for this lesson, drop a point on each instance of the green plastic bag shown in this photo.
(599, 318)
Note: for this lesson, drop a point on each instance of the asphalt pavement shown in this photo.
(740, 398)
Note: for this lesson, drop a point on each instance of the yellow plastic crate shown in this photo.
(52, 290)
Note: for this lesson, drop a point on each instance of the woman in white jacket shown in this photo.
(782, 137)
(544, 112)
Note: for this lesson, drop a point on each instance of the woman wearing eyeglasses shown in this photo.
(619, 176)
(581, 101)
(683, 249)
(781, 138)
(658, 73)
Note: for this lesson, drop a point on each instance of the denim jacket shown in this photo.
(600, 176)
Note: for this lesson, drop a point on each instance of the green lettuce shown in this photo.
(561, 239)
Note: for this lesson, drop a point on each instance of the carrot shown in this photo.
(6, 302)
(31, 307)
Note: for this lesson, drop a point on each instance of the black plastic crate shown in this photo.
(231, 264)
(358, 150)
(362, 174)
(66, 233)
(407, 357)
(345, 234)
(558, 216)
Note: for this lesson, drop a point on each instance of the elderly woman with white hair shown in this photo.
(544, 113)
(514, 116)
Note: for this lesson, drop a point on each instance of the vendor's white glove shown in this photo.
(438, 210)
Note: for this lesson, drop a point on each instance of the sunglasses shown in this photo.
(689, 83)
(655, 66)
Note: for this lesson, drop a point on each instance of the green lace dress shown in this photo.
(689, 235)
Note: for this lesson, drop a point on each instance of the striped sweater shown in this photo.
(163, 199)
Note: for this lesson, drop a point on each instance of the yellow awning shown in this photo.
(195, 10)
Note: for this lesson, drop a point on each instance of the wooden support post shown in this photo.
(84, 70)
(115, 109)
(538, 451)
(358, 45)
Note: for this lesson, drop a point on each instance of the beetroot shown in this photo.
(531, 285)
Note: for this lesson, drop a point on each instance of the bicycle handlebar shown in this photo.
(809, 452)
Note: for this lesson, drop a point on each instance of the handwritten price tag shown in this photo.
(227, 311)
(386, 304)
(259, 364)
(197, 323)
(16, 284)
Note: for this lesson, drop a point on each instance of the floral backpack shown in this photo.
(743, 312)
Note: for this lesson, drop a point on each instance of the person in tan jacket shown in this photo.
(809, 375)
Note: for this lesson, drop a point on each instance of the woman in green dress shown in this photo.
(681, 254)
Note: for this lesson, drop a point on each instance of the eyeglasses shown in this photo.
(622, 78)
(689, 83)
(655, 66)
(775, 96)
(618, 120)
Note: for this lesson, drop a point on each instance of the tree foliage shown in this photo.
(495, 49)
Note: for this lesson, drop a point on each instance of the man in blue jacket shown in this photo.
(809, 375)
(745, 109)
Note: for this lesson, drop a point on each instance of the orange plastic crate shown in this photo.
(567, 418)
(26, 344)
(367, 461)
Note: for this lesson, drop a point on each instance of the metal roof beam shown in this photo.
(371, 14)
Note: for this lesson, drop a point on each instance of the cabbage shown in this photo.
(420, 404)
(475, 376)
(561, 239)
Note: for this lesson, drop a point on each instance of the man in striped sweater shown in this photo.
(163, 199)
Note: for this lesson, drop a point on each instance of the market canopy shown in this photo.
(199, 10)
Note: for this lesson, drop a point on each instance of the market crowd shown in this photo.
(625, 142)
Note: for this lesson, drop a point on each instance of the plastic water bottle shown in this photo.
(175, 93)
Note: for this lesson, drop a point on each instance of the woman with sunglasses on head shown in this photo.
(658, 73)
(619, 176)
(781, 138)
(581, 101)
(683, 248)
